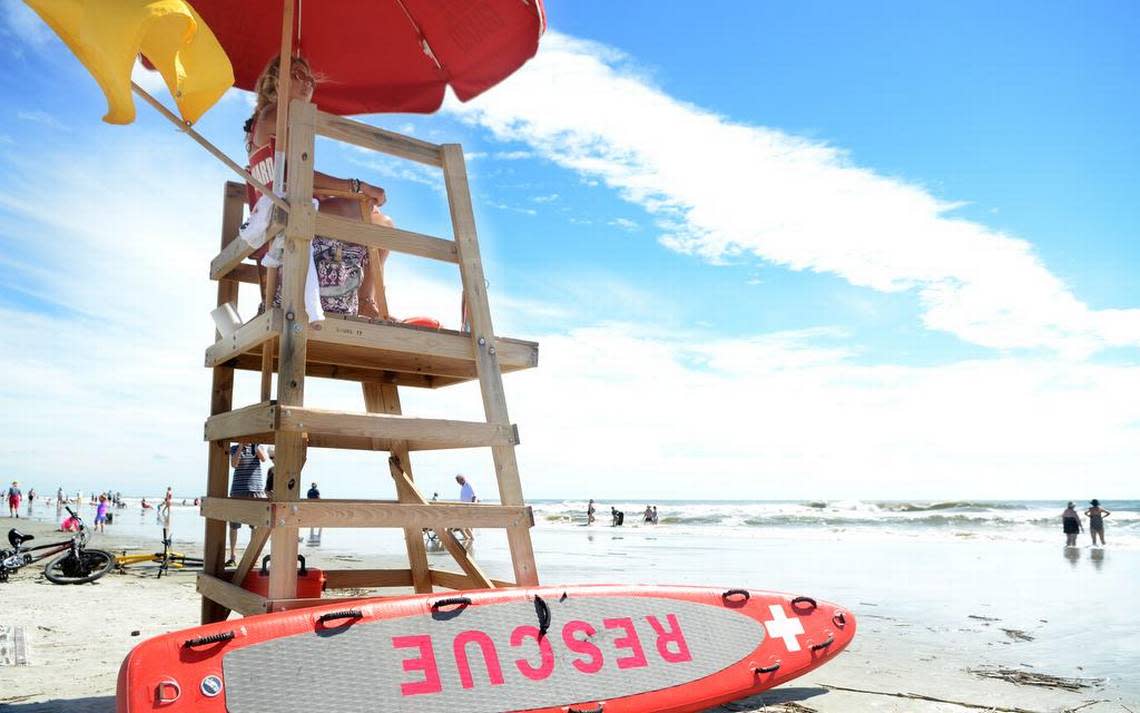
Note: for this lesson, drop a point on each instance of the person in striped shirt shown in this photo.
(247, 482)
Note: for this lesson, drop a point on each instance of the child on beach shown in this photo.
(1096, 515)
(101, 514)
(14, 498)
(71, 524)
(1071, 525)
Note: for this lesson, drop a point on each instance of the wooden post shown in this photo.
(486, 362)
(290, 447)
(384, 398)
(221, 400)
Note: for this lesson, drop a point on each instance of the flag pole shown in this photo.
(284, 81)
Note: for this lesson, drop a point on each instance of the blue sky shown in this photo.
(770, 249)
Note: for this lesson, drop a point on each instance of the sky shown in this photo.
(812, 250)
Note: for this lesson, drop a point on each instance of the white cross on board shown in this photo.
(781, 627)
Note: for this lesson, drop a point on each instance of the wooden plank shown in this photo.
(380, 236)
(238, 250)
(375, 513)
(410, 493)
(256, 331)
(252, 554)
(385, 399)
(252, 362)
(221, 401)
(421, 433)
(242, 423)
(367, 578)
(410, 339)
(248, 511)
(245, 272)
(276, 605)
(370, 137)
(458, 580)
(230, 596)
(486, 356)
(290, 448)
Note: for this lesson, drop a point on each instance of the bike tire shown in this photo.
(92, 565)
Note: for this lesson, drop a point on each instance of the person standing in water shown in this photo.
(1096, 515)
(590, 509)
(1071, 525)
(314, 534)
(15, 495)
(466, 495)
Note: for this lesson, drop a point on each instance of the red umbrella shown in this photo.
(374, 56)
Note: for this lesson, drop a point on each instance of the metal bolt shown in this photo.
(296, 328)
(281, 522)
(293, 383)
(491, 350)
(295, 508)
(482, 341)
(290, 316)
(304, 155)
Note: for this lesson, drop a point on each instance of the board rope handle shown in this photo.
(542, 609)
(767, 669)
(731, 593)
(804, 600)
(825, 644)
(211, 639)
(342, 614)
(461, 602)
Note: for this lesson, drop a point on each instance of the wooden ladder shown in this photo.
(382, 356)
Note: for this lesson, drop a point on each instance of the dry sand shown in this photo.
(78, 635)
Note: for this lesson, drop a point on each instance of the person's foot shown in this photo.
(231, 562)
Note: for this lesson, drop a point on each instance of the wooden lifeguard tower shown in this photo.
(382, 356)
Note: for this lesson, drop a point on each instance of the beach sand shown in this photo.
(903, 653)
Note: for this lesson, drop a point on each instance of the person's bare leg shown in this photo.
(233, 543)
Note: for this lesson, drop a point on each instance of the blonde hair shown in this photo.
(266, 89)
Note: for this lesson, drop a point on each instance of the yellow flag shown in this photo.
(107, 35)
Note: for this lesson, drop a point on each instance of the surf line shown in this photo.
(576, 635)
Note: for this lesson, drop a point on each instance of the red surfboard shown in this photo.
(548, 649)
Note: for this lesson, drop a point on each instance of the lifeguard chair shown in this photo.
(383, 356)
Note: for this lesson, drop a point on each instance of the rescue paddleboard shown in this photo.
(592, 648)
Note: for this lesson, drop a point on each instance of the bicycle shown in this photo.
(165, 560)
(76, 564)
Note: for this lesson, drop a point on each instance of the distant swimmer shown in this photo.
(648, 518)
(590, 509)
(618, 517)
(466, 495)
(654, 514)
(1071, 525)
(1096, 515)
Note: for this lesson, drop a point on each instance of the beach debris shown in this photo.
(1032, 678)
(933, 699)
(1018, 635)
(979, 617)
(13, 646)
(136, 632)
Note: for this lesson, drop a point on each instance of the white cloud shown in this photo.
(548, 198)
(43, 118)
(514, 155)
(720, 190)
(624, 224)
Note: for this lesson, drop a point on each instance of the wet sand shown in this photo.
(903, 655)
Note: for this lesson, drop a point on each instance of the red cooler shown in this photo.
(310, 581)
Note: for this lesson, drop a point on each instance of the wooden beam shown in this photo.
(236, 251)
(421, 433)
(486, 356)
(379, 236)
(385, 399)
(252, 362)
(221, 401)
(252, 554)
(458, 580)
(410, 493)
(256, 331)
(367, 578)
(410, 339)
(275, 605)
(245, 272)
(372, 513)
(290, 446)
(248, 511)
(243, 423)
(370, 137)
(229, 595)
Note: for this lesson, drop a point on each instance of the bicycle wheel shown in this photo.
(88, 566)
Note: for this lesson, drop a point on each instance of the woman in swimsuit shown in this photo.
(1096, 515)
(346, 285)
(1071, 525)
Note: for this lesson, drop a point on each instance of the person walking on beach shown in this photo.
(1096, 515)
(314, 494)
(466, 495)
(1071, 525)
(590, 509)
(101, 514)
(14, 498)
(247, 482)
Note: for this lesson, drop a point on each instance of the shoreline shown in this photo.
(78, 635)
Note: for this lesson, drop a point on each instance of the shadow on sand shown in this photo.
(94, 704)
(770, 698)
